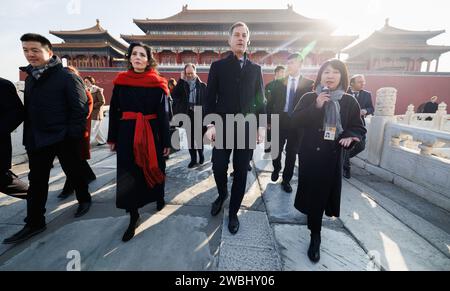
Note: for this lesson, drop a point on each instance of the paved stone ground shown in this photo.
(382, 226)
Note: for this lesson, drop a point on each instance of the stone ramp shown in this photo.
(183, 236)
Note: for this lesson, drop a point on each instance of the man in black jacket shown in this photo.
(235, 86)
(187, 94)
(11, 116)
(364, 98)
(284, 96)
(56, 107)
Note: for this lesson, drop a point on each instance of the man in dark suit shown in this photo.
(56, 109)
(235, 86)
(364, 98)
(188, 93)
(285, 95)
(279, 74)
(11, 116)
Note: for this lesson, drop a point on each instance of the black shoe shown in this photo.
(250, 168)
(83, 208)
(160, 204)
(129, 233)
(24, 234)
(267, 150)
(233, 224)
(275, 175)
(192, 164)
(314, 248)
(66, 192)
(286, 187)
(217, 206)
(201, 160)
(347, 173)
(11, 185)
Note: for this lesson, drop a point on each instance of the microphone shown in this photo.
(326, 90)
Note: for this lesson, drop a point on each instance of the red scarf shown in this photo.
(144, 148)
(148, 79)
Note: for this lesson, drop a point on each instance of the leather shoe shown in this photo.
(192, 164)
(233, 224)
(347, 173)
(83, 208)
(217, 206)
(26, 233)
(286, 187)
(11, 185)
(314, 248)
(275, 175)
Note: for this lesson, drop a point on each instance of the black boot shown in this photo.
(67, 190)
(160, 204)
(202, 157)
(134, 223)
(314, 248)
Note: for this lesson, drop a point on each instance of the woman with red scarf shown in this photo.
(139, 133)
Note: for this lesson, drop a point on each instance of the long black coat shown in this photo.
(320, 162)
(132, 189)
(180, 95)
(11, 116)
(56, 108)
(232, 90)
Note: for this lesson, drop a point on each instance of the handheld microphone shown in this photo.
(326, 90)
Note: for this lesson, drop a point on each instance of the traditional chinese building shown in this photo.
(93, 47)
(395, 49)
(200, 36)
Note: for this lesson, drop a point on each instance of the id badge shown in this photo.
(330, 133)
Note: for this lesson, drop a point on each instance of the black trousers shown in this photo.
(241, 159)
(5, 153)
(87, 173)
(191, 139)
(354, 151)
(289, 137)
(40, 162)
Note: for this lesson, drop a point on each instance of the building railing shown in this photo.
(437, 121)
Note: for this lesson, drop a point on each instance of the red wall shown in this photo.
(411, 89)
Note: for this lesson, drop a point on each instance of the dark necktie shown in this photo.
(291, 97)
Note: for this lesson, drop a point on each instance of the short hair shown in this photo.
(296, 56)
(37, 38)
(353, 78)
(279, 68)
(239, 24)
(152, 62)
(90, 79)
(337, 65)
(190, 65)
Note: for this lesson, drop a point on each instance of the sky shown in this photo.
(351, 17)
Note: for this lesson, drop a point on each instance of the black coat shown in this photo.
(132, 189)
(430, 107)
(233, 90)
(180, 95)
(320, 162)
(277, 101)
(56, 108)
(364, 99)
(11, 116)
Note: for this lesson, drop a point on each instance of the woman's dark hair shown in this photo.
(152, 62)
(90, 79)
(337, 65)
